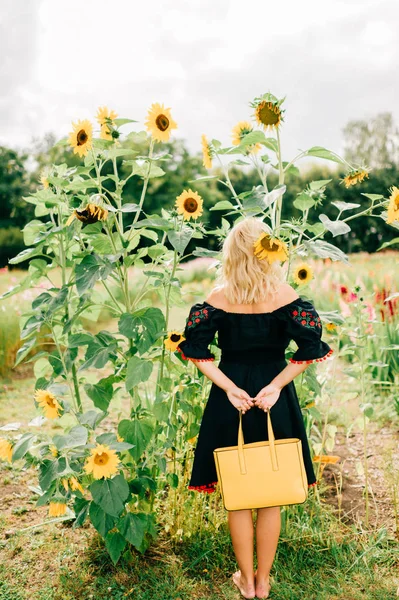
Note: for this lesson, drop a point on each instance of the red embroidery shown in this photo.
(208, 487)
(196, 317)
(306, 318)
(300, 362)
(312, 484)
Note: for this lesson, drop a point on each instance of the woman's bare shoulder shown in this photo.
(216, 298)
(286, 294)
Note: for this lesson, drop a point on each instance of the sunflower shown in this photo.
(393, 207)
(331, 326)
(72, 483)
(206, 152)
(326, 459)
(173, 340)
(119, 438)
(57, 509)
(189, 204)
(5, 449)
(268, 112)
(48, 402)
(54, 451)
(90, 214)
(105, 118)
(103, 462)
(270, 248)
(44, 180)
(303, 274)
(239, 131)
(159, 122)
(80, 139)
(355, 176)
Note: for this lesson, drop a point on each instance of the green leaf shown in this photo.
(25, 255)
(101, 393)
(115, 545)
(336, 227)
(326, 250)
(89, 271)
(81, 509)
(222, 205)
(321, 152)
(390, 243)
(101, 521)
(91, 418)
(137, 432)
(75, 438)
(33, 232)
(304, 202)
(22, 446)
(373, 197)
(118, 122)
(133, 527)
(24, 351)
(318, 185)
(111, 494)
(180, 239)
(138, 370)
(144, 326)
(344, 205)
(129, 207)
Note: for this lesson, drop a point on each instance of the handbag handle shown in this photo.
(273, 454)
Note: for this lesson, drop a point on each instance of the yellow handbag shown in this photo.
(260, 474)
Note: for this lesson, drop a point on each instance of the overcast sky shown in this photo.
(206, 59)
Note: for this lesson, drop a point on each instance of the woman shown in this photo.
(255, 314)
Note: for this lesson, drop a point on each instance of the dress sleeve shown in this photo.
(304, 326)
(199, 332)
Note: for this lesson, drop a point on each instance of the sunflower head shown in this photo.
(103, 462)
(54, 450)
(43, 179)
(239, 131)
(189, 204)
(173, 340)
(393, 206)
(57, 507)
(268, 112)
(207, 152)
(355, 176)
(104, 115)
(48, 402)
(331, 326)
(5, 449)
(81, 138)
(90, 214)
(303, 273)
(270, 248)
(159, 122)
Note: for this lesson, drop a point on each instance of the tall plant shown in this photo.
(84, 230)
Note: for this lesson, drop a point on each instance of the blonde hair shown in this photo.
(243, 277)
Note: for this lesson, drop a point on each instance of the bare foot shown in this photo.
(262, 588)
(247, 590)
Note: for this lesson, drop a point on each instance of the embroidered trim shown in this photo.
(307, 318)
(300, 362)
(184, 357)
(208, 487)
(196, 316)
(312, 484)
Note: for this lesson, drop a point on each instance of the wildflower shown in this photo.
(206, 152)
(48, 402)
(159, 122)
(393, 207)
(303, 274)
(173, 340)
(102, 463)
(355, 176)
(80, 139)
(270, 248)
(189, 204)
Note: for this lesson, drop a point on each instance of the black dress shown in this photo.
(252, 354)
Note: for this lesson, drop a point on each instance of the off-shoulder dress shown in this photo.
(253, 349)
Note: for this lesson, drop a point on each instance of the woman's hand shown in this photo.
(240, 399)
(267, 396)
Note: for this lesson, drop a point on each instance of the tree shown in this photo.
(373, 143)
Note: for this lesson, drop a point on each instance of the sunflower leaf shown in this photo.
(101, 521)
(111, 494)
(320, 152)
(137, 432)
(138, 370)
(133, 527)
(180, 239)
(344, 205)
(22, 446)
(335, 227)
(324, 249)
(115, 545)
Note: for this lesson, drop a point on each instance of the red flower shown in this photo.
(197, 320)
(303, 313)
(303, 322)
(196, 313)
(312, 323)
(295, 312)
(190, 323)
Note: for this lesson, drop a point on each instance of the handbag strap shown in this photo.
(240, 444)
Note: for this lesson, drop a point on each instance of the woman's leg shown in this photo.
(242, 535)
(268, 527)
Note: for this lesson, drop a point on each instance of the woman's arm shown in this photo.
(238, 397)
